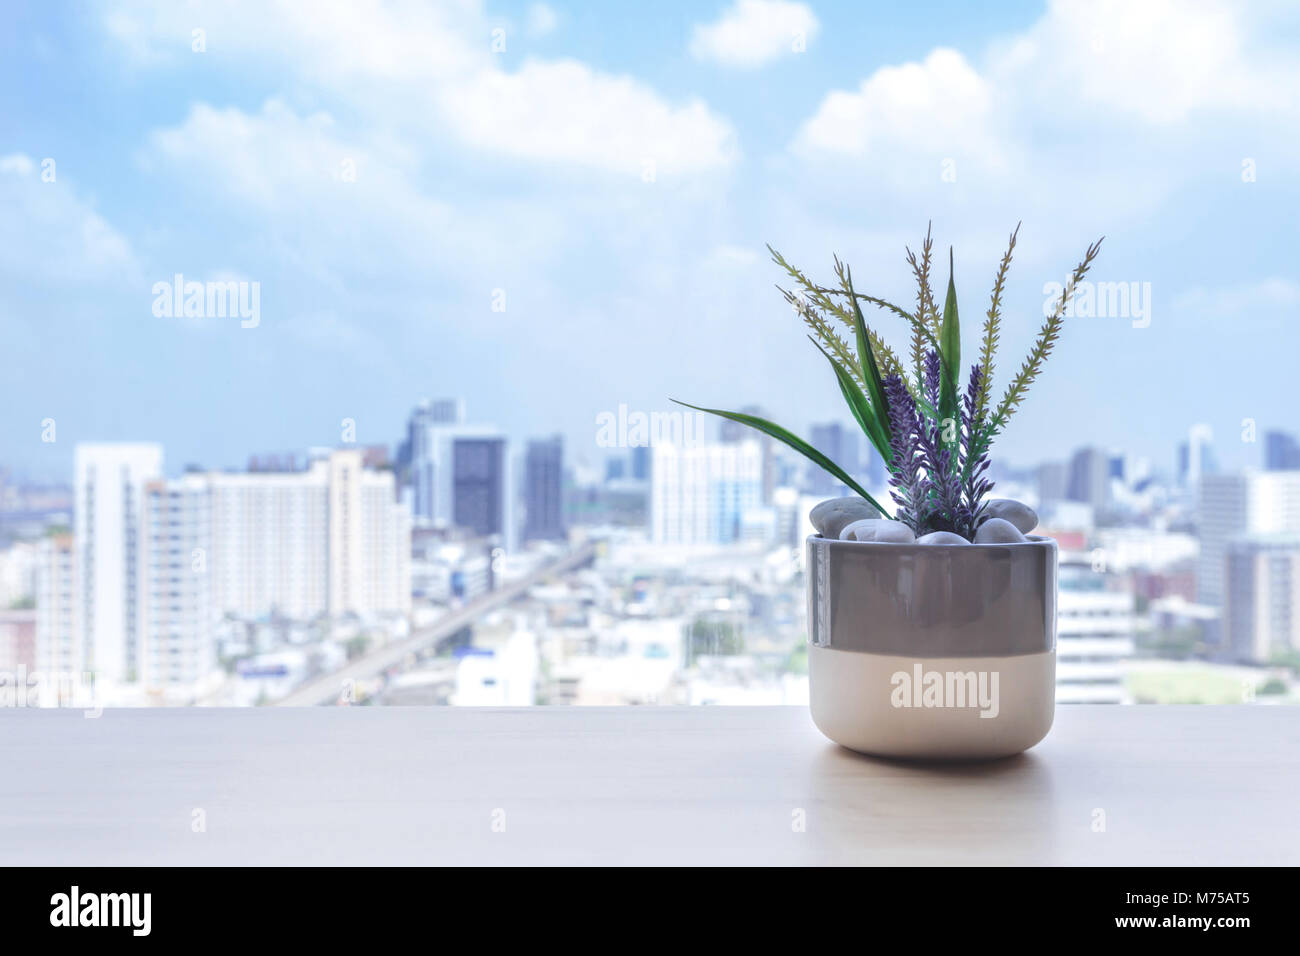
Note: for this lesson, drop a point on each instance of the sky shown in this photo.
(554, 210)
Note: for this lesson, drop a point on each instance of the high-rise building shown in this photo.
(420, 453)
(1261, 609)
(1089, 478)
(1053, 482)
(639, 459)
(480, 484)
(17, 641)
(544, 490)
(109, 489)
(332, 539)
(1233, 505)
(176, 626)
(59, 633)
(270, 543)
(700, 494)
(731, 432)
(442, 458)
(328, 540)
(1094, 636)
(1281, 452)
(840, 445)
(1196, 457)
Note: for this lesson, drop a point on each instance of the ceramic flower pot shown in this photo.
(932, 651)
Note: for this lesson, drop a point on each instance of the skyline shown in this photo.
(378, 285)
(706, 431)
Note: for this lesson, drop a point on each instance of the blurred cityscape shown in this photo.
(456, 567)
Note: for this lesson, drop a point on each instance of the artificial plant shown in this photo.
(932, 430)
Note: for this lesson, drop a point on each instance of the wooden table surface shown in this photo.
(708, 785)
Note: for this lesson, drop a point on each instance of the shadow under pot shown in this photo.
(932, 651)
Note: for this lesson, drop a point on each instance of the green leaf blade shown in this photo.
(870, 370)
(863, 413)
(772, 430)
(950, 351)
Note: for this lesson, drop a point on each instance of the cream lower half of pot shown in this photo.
(853, 696)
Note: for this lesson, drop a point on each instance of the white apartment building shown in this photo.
(59, 647)
(701, 494)
(109, 484)
(135, 594)
(1262, 593)
(270, 543)
(1230, 506)
(1094, 636)
(176, 626)
(17, 572)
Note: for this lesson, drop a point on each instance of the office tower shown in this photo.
(1094, 636)
(840, 445)
(1261, 608)
(437, 438)
(615, 468)
(1234, 505)
(429, 414)
(639, 459)
(700, 494)
(1196, 457)
(730, 432)
(544, 490)
(1053, 482)
(1281, 452)
(1089, 478)
(478, 472)
(109, 487)
(416, 455)
(59, 634)
(176, 626)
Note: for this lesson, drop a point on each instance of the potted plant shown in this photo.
(932, 632)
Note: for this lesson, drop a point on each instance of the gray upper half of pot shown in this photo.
(969, 600)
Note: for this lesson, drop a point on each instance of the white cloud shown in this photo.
(1160, 61)
(751, 33)
(346, 201)
(429, 69)
(1093, 65)
(17, 163)
(941, 104)
(54, 232)
(563, 111)
(541, 20)
(1122, 103)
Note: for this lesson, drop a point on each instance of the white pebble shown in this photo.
(998, 531)
(831, 516)
(1020, 515)
(878, 529)
(941, 537)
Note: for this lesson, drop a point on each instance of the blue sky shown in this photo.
(525, 170)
